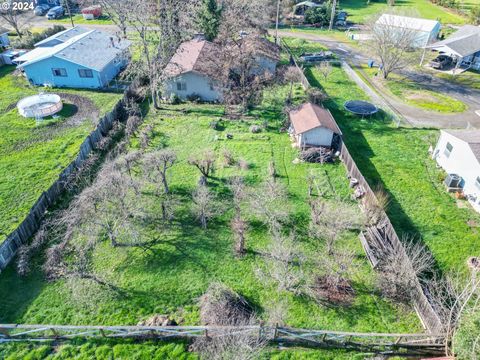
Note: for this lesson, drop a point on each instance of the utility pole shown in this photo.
(67, 5)
(332, 15)
(277, 20)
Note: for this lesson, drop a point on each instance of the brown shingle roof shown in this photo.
(310, 116)
(471, 137)
(263, 47)
(195, 55)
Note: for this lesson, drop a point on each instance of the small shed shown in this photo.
(312, 125)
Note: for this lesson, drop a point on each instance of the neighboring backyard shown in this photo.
(412, 92)
(33, 155)
(361, 10)
(170, 276)
(398, 160)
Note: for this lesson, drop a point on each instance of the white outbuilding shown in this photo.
(312, 125)
(458, 153)
(421, 31)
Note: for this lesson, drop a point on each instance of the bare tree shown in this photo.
(12, 17)
(291, 76)
(393, 39)
(400, 270)
(283, 264)
(156, 164)
(239, 228)
(325, 68)
(204, 162)
(269, 203)
(329, 220)
(203, 206)
(118, 12)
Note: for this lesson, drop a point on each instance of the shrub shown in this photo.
(255, 129)
(318, 15)
(175, 99)
(28, 42)
(215, 124)
(196, 98)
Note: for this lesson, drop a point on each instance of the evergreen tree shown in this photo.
(208, 18)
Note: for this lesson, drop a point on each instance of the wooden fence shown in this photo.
(31, 223)
(411, 344)
(303, 78)
(387, 238)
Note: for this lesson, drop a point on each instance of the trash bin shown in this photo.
(371, 63)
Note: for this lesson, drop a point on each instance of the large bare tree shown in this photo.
(393, 42)
(12, 17)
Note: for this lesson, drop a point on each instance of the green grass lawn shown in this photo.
(79, 20)
(414, 93)
(360, 10)
(170, 278)
(32, 156)
(468, 78)
(398, 159)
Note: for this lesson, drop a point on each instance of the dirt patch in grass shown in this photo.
(334, 292)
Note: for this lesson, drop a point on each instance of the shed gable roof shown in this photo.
(310, 116)
(408, 22)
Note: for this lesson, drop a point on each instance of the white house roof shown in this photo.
(464, 42)
(416, 24)
(64, 35)
(93, 49)
(307, 4)
(471, 137)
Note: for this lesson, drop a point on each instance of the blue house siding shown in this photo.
(41, 73)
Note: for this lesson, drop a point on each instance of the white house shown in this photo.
(193, 71)
(458, 152)
(312, 125)
(463, 46)
(421, 31)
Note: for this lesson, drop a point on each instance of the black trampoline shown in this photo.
(359, 107)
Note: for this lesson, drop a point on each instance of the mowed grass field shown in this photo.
(398, 160)
(171, 277)
(361, 10)
(33, 155)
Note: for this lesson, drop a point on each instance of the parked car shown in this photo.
(441, 62)
(41, 10)
(55, 13)
(320, 56)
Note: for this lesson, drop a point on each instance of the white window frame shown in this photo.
(83, 71)
(61, 71)
(181, 85)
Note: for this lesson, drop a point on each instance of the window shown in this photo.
(448, 150)
(59, 72)
(181, 86)
(85, 73)
(477, 182)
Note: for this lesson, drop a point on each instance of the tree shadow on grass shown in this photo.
(362, 153)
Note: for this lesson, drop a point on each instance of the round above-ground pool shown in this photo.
(39, 106)
(360, 107)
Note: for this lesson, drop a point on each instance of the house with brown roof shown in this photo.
(264, 53)
(458, 153)
(193, 71)
(312, 125)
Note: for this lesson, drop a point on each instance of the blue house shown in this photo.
(76, 58)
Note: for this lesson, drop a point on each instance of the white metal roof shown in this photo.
(417, 24)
